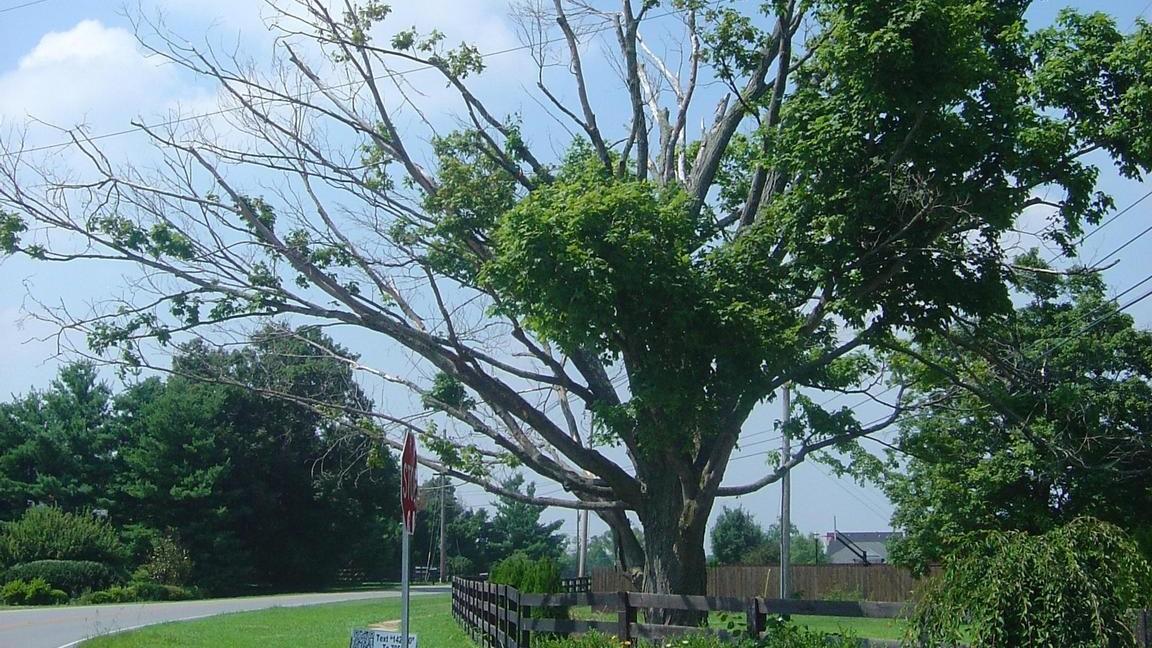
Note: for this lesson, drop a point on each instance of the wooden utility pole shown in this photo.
(582, 551)
(443, 544)
(786, 500)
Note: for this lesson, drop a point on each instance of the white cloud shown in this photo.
(90, 73)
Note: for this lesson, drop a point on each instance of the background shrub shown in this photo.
(49, 533)
(543, 577)
(461, 566)
(34, 592)
(1072, 587)
(511, 571)
(115, 594)
(160, 592)
(521, 572)
(536, 576)
(14, 592)
(72, 576)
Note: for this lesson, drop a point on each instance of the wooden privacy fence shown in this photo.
(863, 582)
(498, 616)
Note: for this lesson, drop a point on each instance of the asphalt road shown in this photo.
(66, 626)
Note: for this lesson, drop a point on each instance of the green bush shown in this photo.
(115, 594)
(34, 592)
(181, 593)
(536, 576)
(518, 570)
(149, 591)
(15, 592)
(72, 576)
(543, 577)
(511, 571)
(144, 591)
(1072, 587)
(461, 566)
(49, 533)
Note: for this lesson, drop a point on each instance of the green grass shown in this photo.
(315, 626)
(859, 627)
(330, 625)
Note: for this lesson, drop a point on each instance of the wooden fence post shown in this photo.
(482, 613)
(757, 619)
(489, 614)
(1144, 628)
(502, 615)
(522, 614)
(625, 618)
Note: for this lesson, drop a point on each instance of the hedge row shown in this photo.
(72, 576)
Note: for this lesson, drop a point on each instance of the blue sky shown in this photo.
(76, 61)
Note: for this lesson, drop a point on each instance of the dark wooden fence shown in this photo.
(498, 616)
(855, 582)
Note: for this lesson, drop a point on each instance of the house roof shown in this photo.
(864, 536)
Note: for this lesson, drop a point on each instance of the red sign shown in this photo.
(408, 483)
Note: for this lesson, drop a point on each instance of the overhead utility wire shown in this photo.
(22, 5)
(869, 504)
(1106, 223)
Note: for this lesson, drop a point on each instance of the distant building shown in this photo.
(858, 547)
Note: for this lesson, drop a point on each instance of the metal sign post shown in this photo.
(408, 508)
(378, 637)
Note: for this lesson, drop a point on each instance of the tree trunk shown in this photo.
(674, 549)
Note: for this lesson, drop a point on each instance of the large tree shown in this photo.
(1053, 424)
(516, 526)
(735, 534)
(610, 319)
(259, 490)
(59, 446)
(805, 549)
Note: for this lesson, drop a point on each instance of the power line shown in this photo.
(1108, 315)
(1128, 242)
(1064, 341)
(852, 493)
(1101, 226)
(1141, 13)
(853, 408)
(22, 5)
(1117, 297)
(762, 441)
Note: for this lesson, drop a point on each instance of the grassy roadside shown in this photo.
(315, 626)
(330, 625)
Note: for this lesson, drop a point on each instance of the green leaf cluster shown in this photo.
(11, 227)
